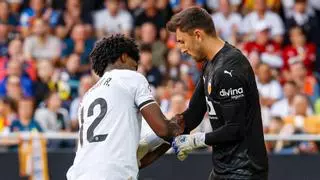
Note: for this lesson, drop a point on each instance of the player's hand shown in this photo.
(184, 144)
(178, 119)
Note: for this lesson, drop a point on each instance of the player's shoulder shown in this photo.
(233, 55)
(128, 79)
(233, 63)
(125, 74)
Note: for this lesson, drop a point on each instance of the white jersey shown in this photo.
(110, 125)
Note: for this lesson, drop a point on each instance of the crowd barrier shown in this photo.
(69, 135)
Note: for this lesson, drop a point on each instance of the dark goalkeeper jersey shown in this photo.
(227, 90)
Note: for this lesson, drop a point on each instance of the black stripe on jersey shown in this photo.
(145, 103)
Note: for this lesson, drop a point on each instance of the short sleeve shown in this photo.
(143, 94)
(138, 88)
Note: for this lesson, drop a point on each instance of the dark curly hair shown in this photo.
(108, 50)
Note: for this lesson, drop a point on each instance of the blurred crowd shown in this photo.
(45, 66)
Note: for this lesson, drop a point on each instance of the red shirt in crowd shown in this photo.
(270, 47)
(308, 56)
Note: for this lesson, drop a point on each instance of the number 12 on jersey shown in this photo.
(103, 111)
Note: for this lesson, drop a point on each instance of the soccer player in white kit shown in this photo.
(110, 115)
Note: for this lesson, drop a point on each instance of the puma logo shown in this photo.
(226, 72)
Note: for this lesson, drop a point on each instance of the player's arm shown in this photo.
(154, 155)
(233, 108)
(158, 122)
(197, 108)
(151, 111)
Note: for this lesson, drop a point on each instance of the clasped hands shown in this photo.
(183, 144)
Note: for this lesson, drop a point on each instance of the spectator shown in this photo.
(8, 110)
(299, 50)
(288, 7)
(269, 89)
(15, 71)
(267, 50)
(149, 15)
(81, 44)
(4, 39)
(15, 9)
(314, 4)
(177, 105)
(25, 121)
(274, 128)
(6, 16)
(15, 50)
(15, 53)
(296, 123)
(284, 107)
(300, 105)
(37, 10)
(173, 65)
(306, 84)
(52, 117)
(300, 16)
(172, 87)
(44, 83)
(70, 74)
(42, 45)
(14, 89)
(112, 20)
(261, 13)
(178, 5)
(164, 9)
(134, 7)
(300, 112)
(227, 23)
(86, 82)
(146, 67)
(72, 15)
(213, 5)
(273, 5)
(149, 36)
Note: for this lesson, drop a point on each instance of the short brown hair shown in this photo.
(190, 19)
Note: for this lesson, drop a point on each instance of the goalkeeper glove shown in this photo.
(184, 144)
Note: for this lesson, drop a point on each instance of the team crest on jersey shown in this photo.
(209, 87)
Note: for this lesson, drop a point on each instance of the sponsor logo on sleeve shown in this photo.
(233, 93)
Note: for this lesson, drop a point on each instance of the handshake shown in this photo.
(182, 144)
